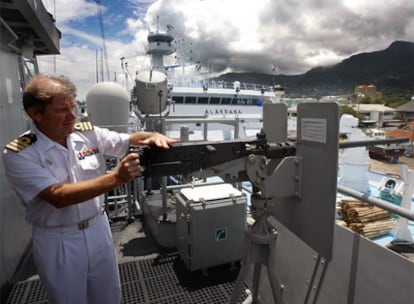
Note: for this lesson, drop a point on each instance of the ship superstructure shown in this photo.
(27, 30)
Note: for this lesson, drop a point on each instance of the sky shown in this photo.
(266, 36)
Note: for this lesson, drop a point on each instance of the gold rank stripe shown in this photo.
(83, 126)
(20, 143)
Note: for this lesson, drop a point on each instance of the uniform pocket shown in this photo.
(90, 163)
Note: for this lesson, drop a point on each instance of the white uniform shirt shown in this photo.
(45, 162)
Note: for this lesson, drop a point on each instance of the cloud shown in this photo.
(228, 35)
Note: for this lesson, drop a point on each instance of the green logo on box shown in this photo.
(221, 234)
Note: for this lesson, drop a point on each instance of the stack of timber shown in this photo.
(365, 219)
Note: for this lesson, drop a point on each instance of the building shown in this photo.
(365, 91)
(375, 114)
(406, 111)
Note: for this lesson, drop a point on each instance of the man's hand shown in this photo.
(63, 195)
(157, 139)
(128, 168)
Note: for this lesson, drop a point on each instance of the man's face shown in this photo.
(58, 118)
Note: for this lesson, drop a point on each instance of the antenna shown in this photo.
(98, 2)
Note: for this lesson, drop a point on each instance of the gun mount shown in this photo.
(294, 183)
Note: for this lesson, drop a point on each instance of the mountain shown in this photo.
(391, 70)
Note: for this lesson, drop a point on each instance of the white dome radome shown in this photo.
(108, 106)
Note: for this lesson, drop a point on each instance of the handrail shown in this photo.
(377, 202)
(372, 142)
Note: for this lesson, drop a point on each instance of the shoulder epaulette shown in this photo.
(21, 143)
(83, 126)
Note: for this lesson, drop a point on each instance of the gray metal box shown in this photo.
(210, 225)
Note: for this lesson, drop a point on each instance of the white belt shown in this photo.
(75, 227)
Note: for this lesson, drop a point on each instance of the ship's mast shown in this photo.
(159, 45)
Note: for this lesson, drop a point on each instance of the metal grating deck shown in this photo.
(160, 280)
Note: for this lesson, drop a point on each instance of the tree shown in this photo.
(345, 109)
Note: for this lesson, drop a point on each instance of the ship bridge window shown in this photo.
(246, 101)
(226, 101)
(190, 99)
(214, 100)
(236, 101)
(178, 99)
(203, 100)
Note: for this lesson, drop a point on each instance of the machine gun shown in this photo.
(186, 158)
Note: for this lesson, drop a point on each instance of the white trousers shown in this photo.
(78, 267)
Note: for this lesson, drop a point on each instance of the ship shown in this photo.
(192, 91)
(274, 239)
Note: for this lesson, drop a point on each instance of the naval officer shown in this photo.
(59, 172)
